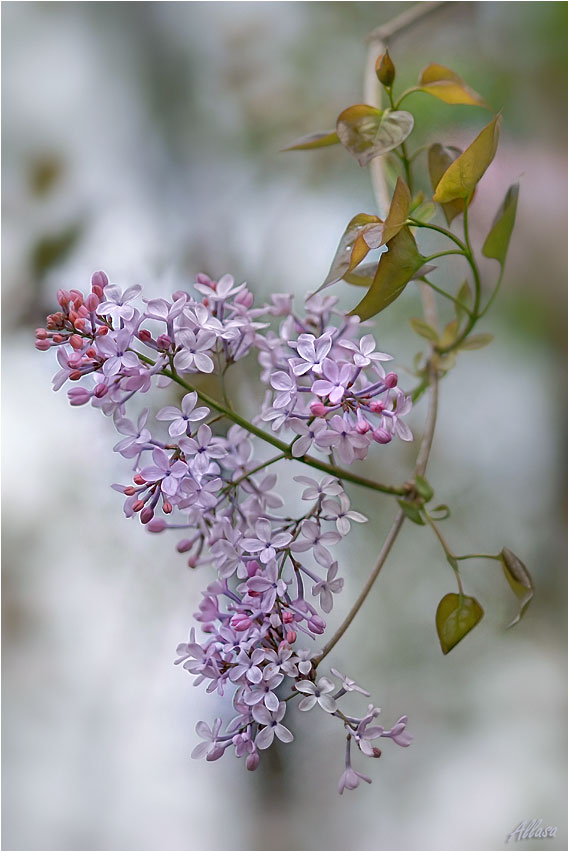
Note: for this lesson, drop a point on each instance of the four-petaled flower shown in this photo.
(272, 721)
(317, 693)
(312, 352)
(192, 357)
(325, 588)
(308, 433)
(266, 543)
(335, 382)
(181, 417)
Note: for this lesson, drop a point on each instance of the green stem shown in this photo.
(444, 254)
(445, 294)
(479, 556)
(331, 470)
(418, 224)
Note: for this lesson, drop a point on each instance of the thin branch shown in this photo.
(387, 545)
(385, 32)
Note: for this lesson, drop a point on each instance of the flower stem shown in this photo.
(331, 470)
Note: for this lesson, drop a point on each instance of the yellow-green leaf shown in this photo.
(498, 240)
(440, 158)
(476, 341)
(314, 140)
(447, 86)
(395, 269)
(368, 132)
(463, 299)
(461, 177)
(449, 334)
(423, 329)
(351, 249)
(363, 277)
(519, 579)
(456, 616)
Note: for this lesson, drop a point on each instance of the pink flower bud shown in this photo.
(240, 622)
(41, 333)
(252, 761)
(390, 380)
(184, 545)
(156, 525)
(377, 406)
(166, 507)
(63, 298)
(316, 624)
(99, 279)
(362, 426)
(78, 396)
(129, 490)
(103, 329)
(163, 342)
(80, 324)
(43, 345)
(58, 338)
(382, 436)
(138, 505)
(244, 298)
(144, 335)
(291, 637)
(318, 408)
(146, 515)
(92, 301)
(101, 390)
(288, 617)
(76, 341)
(75, 375)
(138, 479)
(252, 567)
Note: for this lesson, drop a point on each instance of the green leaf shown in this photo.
(368, 132)
(449, 334)
(447, 86)
(440, 158)
(498, 240)
(423, 329)
(476, 341)
(363, 277)
(424, 489)
(463, 174)
(440, 513)
(519, 579)
(412, 512)
(464, 299)
(352, 248)
(456, 616)
(396, 268)
(314, 140)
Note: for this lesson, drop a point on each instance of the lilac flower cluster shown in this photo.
(275, 575)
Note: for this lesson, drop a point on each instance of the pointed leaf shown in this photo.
(519, 579)
(447, 86)
(350, 251)
(423, 329)
(412, 512)
(476, 341)
(363, 277)
(449, 334)
(314, 140)
(423, 488)
(440, 513)
(395, 269)
(440, 158)
(398, 210)
(464, 299)
(498, 240)
(368, 132)
(456, 616)
(461, 177)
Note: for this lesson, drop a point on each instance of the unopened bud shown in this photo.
(382, 436)
(43, 345)
(163, 342)
(99, 279)
(92, 301)
(101, 390)
(138, 479)
(184, 545)
(146, 515)
(41, 333)
(385, 69)
(166, 507)
(391, 380)
(291, 637)
(144, 335)
(252, 761)
(76, 341)
(318, 408)
(376, 406)
(156, 525)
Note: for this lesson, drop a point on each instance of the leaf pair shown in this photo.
(447, 86)
(365, 131)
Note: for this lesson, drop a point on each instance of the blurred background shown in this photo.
(143, 138)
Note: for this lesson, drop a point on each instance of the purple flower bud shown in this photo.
(78, 396)
(252, 761)
(156, 525)
(382, 436)
(99, 279)
(391, 380)
(184, 545)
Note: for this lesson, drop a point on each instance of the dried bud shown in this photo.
(385, 70)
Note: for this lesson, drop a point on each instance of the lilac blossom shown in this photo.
(273, 728)
(317, 693)
(185, 415)
(326, 588)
